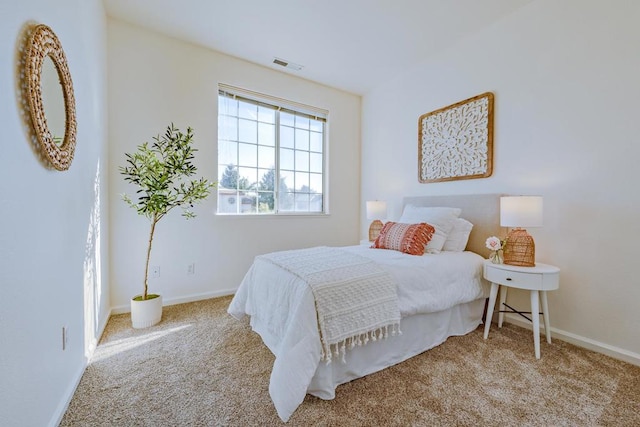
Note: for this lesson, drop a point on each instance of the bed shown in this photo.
(438, 295)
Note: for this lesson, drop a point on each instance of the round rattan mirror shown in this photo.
(55, 129)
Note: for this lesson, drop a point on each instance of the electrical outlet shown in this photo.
(191, 268)
(65, 337)
(155, 271)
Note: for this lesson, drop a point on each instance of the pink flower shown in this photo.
(493, 243)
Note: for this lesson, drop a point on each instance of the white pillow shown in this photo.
(441, 218)
(459, 236)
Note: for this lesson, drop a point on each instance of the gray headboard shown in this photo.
(482, 210)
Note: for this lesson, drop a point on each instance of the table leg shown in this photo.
(503, 299)
(545, 316)
(535, 317)
(492, 303)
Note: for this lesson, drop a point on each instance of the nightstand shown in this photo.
(538, 280)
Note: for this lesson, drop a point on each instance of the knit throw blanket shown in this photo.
(356, 301)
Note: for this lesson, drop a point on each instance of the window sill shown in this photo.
(272, 216)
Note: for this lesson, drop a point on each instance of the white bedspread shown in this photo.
(355, 299)
(282, 309)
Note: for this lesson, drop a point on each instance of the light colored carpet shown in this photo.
(201, 367)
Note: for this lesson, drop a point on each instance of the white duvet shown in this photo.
(282, 309)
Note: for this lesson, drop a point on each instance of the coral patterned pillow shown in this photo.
(407, 238)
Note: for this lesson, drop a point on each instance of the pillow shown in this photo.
(407, 238)
(459, 236)
(441, 218)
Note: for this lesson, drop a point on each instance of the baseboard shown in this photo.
(64, 403)
(589, 344)
(179, 300)
(101, 326)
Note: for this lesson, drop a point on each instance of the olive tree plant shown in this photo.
(161, 170)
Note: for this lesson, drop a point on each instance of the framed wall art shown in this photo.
(456, 142)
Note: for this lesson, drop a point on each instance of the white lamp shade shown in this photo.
(521, 211)
(376, 209)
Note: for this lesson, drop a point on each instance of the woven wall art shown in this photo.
(456, 142)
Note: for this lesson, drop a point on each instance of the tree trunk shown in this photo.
(154, 220)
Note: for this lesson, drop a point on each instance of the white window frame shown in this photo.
(279, 105)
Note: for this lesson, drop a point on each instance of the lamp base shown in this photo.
(374, 230)
(520, 249)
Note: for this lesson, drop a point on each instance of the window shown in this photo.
(263, 141)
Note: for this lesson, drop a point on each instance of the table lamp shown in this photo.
(376, 210)
(519, 212)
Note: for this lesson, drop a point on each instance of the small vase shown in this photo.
(496, 257)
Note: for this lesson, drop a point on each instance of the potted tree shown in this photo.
(160, 172)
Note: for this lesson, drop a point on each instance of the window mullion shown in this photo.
(323, 168)
(276, 184)
(237, 138)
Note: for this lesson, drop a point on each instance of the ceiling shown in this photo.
(351, 45)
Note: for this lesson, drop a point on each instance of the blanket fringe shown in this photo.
(339, 349)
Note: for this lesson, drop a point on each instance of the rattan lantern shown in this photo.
(519, 212)
(376, 210)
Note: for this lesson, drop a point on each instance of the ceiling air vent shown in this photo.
(287, 64)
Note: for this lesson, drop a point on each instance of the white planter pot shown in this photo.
(146, 313)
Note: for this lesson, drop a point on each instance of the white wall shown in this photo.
(155, 80)
(52, 237)
(565, 79)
